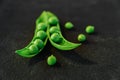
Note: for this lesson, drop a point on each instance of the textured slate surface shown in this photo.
(97, 59)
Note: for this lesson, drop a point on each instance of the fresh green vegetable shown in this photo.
(53, 29)
(39, 43)
(47, 26)
(69, 25)
(81, 37)
(41, 35)
(42, 26)
(39, 40)
(55, 37)
(33, 49)
(53, 21)
(89, 29)
(51, 60)
(64, 44)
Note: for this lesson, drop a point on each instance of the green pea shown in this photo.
(53, 29)
(42, 26)
(55, 37)
(81, 37)
(41, 34)
(53, 20)
(69, 25)
(51, 60)
(39, 43)
(89, 29)
(33, 49)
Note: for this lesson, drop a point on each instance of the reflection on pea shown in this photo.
(42, 26)
(33, 49)
(53, 29)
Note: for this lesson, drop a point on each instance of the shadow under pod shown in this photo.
(76, 58)
(71, 55)
(57, 65)
(94, 33)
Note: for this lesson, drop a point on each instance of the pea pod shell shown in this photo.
(25, 52)
(65, 45)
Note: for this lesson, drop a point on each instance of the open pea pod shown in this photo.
(39, 40)
(55, 35)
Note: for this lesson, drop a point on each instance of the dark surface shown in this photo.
(96, 59)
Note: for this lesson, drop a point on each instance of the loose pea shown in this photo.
(42, 26)
(53, 20)
(51, 60)
(33, 49)
(54, 29)
(69, 25)
(81, 37)
(89, 29)
(39, 43)
(55, 37)
(41, 34)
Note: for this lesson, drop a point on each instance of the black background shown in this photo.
(97, 59)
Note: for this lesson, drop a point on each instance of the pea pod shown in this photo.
(39, 40)
(55, 35)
